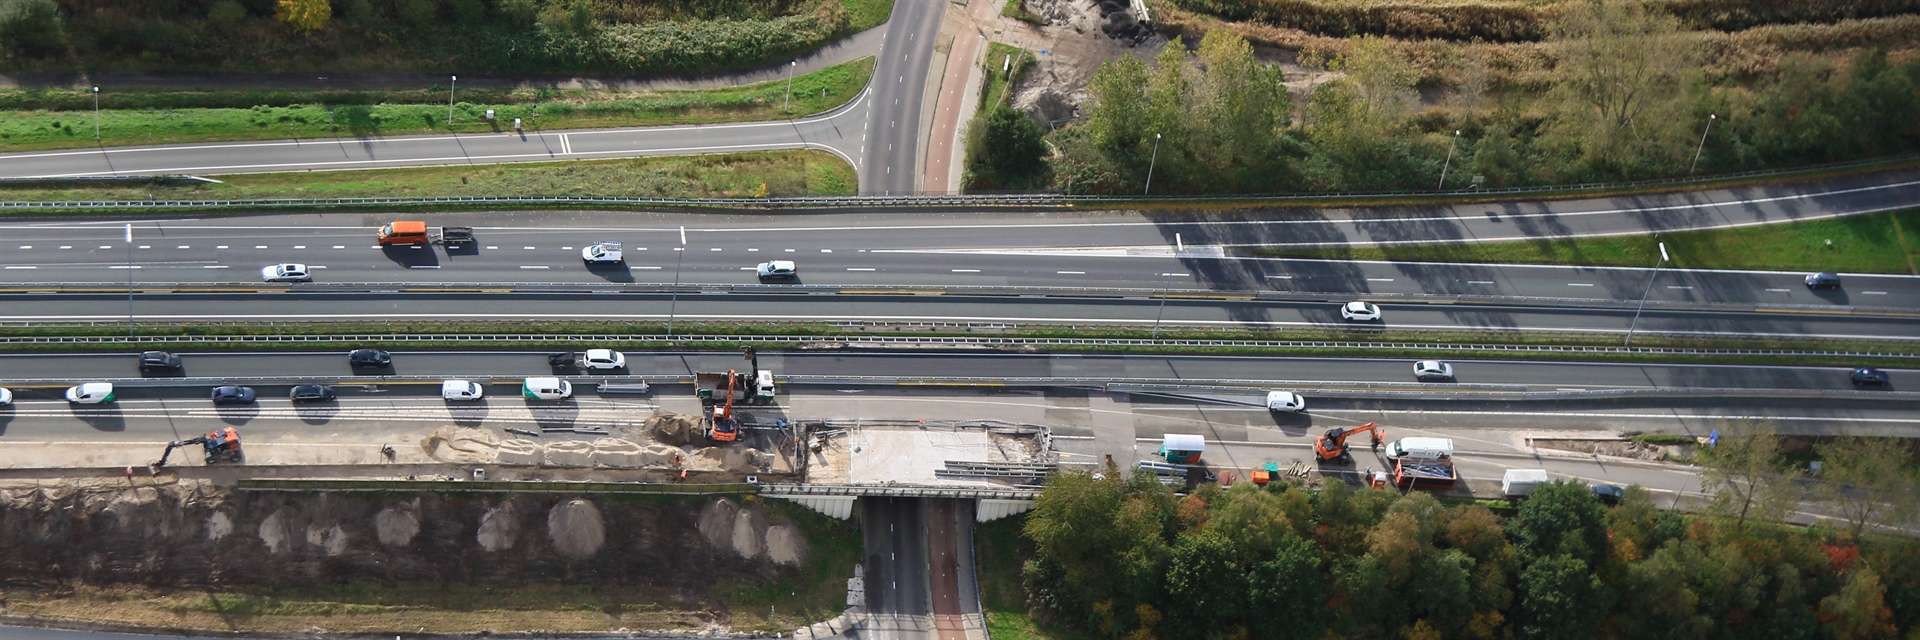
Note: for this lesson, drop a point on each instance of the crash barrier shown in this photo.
(915, 200)
(487, 486)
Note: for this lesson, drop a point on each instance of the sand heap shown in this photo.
(736, 459)
(460, 445)
(674, 428)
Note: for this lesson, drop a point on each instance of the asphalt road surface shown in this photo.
(1104, 249)
(895, 544)
(889, 125)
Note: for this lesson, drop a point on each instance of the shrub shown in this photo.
(30, 27)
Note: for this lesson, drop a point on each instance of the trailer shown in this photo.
(453, 237)
(1182, 448)
(1520, 483)
(1409, 473)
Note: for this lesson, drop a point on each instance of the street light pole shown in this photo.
(129, 280)
(1703, 143)
(675, 305)
(1644, 294)
(1150, 162)
(790, 66)
(1166, 284)
(1449, 164)
(96, 114)
(455, 81)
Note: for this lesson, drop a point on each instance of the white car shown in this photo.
(461, 390)
(1432, 371)
(288, 272)
(603, 360)
(90, 393)
(546, 389)
(777, 269)
(603, 253)
(1287, 401)
(6, 397)
(1360, 311)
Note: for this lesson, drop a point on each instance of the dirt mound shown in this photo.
(576, 528)
(736, 459)
(716, 522)
(274, 533)
(570, 453)
(396, 526)
(332, 539)
(674, 428)
(521, 451)
(617, 453)
(785, 545)
(658, 455)
(219, 525)
(498, 528)
(460, 444)
(750, 533)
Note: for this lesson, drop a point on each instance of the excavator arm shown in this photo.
(202, 441)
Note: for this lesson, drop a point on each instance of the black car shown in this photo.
(371, 358)
(1823, 280)
(232, 395)
(1609, 494)
(158, 361)
(1870, 375)
(311, 393)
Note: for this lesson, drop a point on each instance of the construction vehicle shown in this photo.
(1333, 445)
(221, 447)
(754, 386)
(1413, 473)
(722, 424)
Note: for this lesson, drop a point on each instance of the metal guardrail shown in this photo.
(487, 486)
(926, 200)
(902, 491)
(937, 342)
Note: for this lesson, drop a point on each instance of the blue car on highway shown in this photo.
(232, 395)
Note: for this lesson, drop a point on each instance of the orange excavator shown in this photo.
(221, 447)
(723, 426)
(1333, 445)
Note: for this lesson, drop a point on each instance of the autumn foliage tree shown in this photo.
(305, 16)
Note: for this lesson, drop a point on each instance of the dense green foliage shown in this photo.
(517, 36)
(1522, 20)
(1626, 101)
(1130, 559)
(1004, 151)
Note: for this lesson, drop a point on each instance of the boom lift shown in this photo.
(221, 447)
(1333, 445)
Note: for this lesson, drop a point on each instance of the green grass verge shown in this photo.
(999, 82)
(812, 93)
(1871, 243)
(1017, 9)
(733, 175)
(866, 14)
(817, 592)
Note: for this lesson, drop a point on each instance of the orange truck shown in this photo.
(404, 232)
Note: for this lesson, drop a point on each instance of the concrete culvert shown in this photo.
(396, 526)
(576, 528)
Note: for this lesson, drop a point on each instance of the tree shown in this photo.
(1004, 150)
(1560, 600)
(1859, 610)
(1561, 518)
(305, 16)
(1242, 106)
(1746, 475)
(1357, 122)
(418, 14)
(1620, 77)
(1864, 480)
(1255, 520)
(30, 27)
(1117, 105)
(1286, 595)
(226, 14)
(1206, 585)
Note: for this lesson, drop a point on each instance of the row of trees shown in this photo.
(1628, 102)
(1131, 559)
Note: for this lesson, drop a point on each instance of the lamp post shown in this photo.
(1449, 164)
(790, 66)
(1703, 142)
(129, 280)
(1644, 294)
(96, 114)
(675, 305)
(1166, 284)
(1150, 162)
(451, 83)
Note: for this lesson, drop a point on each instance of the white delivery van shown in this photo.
(91, 393)
(461, 390)
(546, 389)
(1286, 401)
(1521, 482)
(1420, 449)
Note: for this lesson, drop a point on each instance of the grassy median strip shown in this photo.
(732, 175)
(538, 110)
(1870, 243)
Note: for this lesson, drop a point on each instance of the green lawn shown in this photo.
(734, 175)
(52, 129)
(998, 82)
(866, 14)
(1873, 243)
(1017, 9)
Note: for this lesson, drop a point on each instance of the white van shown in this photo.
(1286, 401)
(1521, 482)
(546, 389)
(91, 393)
(1420, 449)
(461, 390)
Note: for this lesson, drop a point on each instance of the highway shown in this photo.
(890, 123)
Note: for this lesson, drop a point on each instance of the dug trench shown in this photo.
(193, 556)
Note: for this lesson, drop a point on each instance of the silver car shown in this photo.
(288, 272)
(1432, 371)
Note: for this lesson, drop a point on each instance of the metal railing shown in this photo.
(916, 200)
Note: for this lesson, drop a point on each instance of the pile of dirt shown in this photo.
(1617, 448)
(735, 459)
(1119, 23)
(521, 452)
(751, 532)
(614, 452)
(674, 429)
(460, 445)
(570, 453)
(196, 535)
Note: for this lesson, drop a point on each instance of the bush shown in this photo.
(30, 27)
(1004, 151)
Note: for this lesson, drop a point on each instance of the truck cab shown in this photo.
(404, 232)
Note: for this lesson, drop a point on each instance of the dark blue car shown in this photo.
(232, 395)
